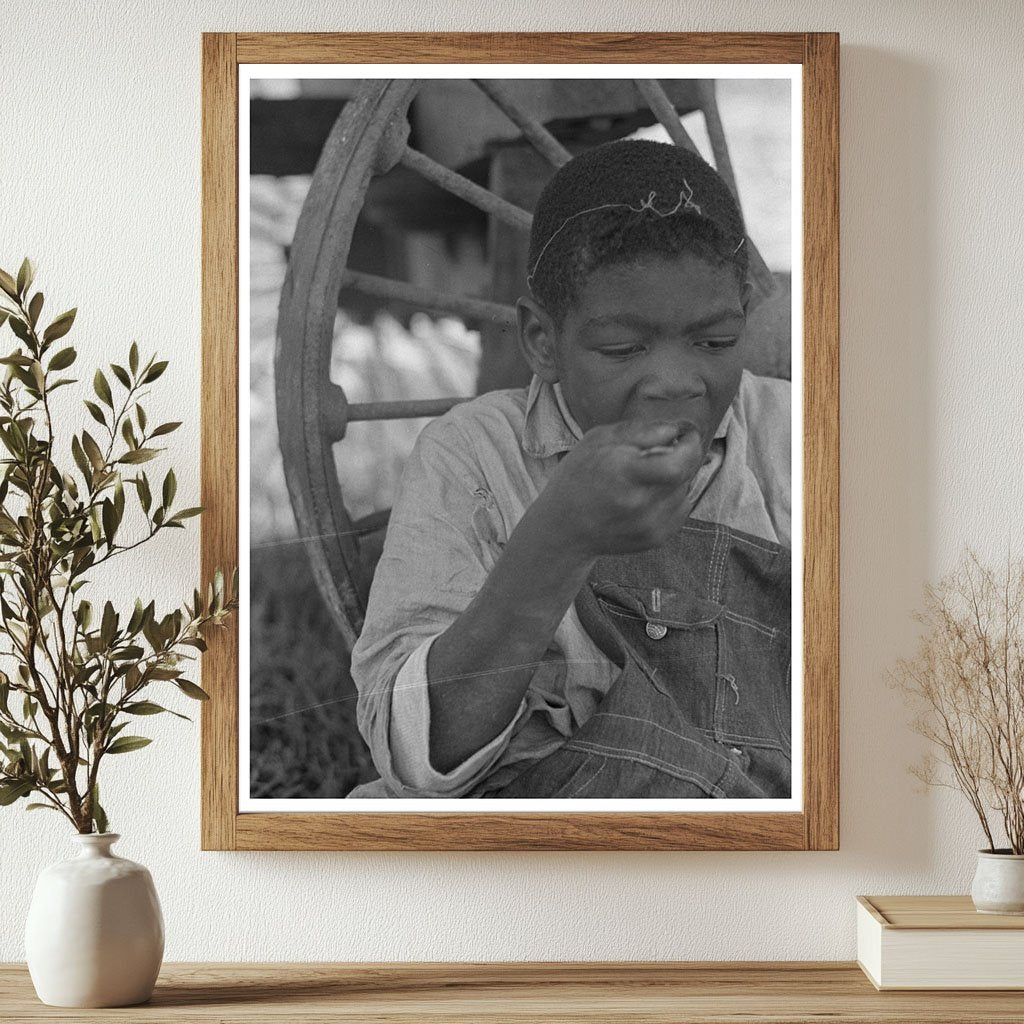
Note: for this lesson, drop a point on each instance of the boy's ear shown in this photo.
(537, 338)
(746, 293)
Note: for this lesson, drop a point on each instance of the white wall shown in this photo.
(100, 183)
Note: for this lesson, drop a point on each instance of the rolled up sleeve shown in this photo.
(444, 537)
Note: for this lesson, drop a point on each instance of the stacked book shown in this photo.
(908, 942)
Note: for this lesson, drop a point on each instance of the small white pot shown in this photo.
(95, 933)
(999, 882)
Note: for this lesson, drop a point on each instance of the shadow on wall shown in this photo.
(888, 272)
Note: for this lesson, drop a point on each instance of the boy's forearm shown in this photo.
(480, 667)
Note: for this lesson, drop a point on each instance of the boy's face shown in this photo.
(655, 340)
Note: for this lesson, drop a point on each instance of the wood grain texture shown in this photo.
(936, 912)
(219, 430)
(526, 993)
(818, 826)
(368, 831)
(521, 47)
(821, 440)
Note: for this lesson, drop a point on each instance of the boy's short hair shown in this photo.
(622, 200)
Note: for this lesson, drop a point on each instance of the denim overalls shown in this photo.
(700, 629)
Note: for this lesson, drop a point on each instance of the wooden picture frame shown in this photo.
(816, 826)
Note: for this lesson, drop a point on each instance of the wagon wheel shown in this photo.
(370, 138)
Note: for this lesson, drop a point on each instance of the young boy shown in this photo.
(584, 590)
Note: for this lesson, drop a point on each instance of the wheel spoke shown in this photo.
(462, 187)
(338, 412)
(439, 302)
(716, 133)
(533, 131)
(667, 115)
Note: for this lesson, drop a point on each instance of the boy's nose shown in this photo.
(672, 378)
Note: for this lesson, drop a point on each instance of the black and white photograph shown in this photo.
(520, 476)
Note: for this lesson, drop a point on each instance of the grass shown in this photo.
(303, 739)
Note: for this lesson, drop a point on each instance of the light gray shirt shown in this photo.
(471, 476)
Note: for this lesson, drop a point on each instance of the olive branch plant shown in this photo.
(967, 681)
(80, 674)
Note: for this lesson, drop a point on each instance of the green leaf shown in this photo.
(170, 487)
(114, 730)
(133, 358)
(163, 673)
(139, 455)
(92, 449)
(94, 711)
(119, 498)
(128, 433)
(4, 314)
(109, 521)
(42, 807)
(20, 328)
(147, 707)
(165, 428)
(80, 459)
(102, 388)
(7, 283)
(63, 359)
(130, 653)
(84, 614)
(17, 359)
(10, 442)
(26, 274)
(11, 791)
(95, 527)
(121, 374)
(135, 622)
(125, 744)
(60, 326)
(34, 308)
(145, 498)
(140, 415)
(12, 733)
(108, 627)
(154, 371)
(185, 513)
(143, 707)
(99, 816)
(96, 412)
(191, 690)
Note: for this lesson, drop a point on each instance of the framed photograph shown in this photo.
(520, 419)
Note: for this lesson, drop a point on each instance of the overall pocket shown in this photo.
(754, 672)
(676, 638)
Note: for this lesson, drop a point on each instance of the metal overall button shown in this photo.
(655, 630)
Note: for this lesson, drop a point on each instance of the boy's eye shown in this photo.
(716, 344)
(621, 351)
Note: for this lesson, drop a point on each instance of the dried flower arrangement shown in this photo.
(967, 679)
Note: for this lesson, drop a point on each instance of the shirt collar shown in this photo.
(549, 427)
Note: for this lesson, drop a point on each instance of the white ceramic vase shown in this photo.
(95, 933)
(999, 882)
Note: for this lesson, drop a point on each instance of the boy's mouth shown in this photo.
(684, 427)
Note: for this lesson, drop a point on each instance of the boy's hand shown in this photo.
(623, 488)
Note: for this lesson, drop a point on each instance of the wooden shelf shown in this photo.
(659, 993)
